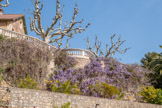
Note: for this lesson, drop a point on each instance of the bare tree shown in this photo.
(53, 34)
(110, 51)
(7, 3)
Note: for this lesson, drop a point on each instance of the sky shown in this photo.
(139, 22)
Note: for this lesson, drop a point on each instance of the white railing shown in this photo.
(78, 53)
(31, 39)
(71, 52)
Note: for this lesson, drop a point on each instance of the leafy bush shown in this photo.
(151, 95)
(105, 90)
(63, 87)
(153, 62)
(2, 37)
(1, 75)
(66, 105)
(156, 76)
(159, 98)
(28, 83)
(0, 80)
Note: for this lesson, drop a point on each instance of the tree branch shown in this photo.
(90, 48)
(54, 34)
(110, 52)
(7, 4)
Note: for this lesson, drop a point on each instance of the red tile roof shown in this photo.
(11, 16)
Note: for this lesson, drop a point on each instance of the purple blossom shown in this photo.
(115, 73)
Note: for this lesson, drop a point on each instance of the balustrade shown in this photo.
(40, 43)
(78, 53)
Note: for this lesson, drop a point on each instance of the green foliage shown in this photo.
(65, 87)
(120, 95)
(160, 46)
(0, 80)
(159, 98)
(11, 64)
(28, 83)
(151, 95)
(2, 104)
(106, 90)
(1, 70)
(153, 62)
(2, 37)
(65, 105)
(156, 66)
(149, 57)
(1, 75)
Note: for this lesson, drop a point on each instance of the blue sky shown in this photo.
(139, 22)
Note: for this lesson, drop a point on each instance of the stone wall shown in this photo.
(81, 62)
(25, 98)
(5, 96)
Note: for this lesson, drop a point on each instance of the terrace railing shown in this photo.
(31, 39)
(79, 53)
(71, 52)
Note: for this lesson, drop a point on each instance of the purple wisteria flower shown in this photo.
(110, 71)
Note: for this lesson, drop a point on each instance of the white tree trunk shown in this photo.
(46, 40)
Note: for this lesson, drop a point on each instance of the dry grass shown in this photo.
(19, 58)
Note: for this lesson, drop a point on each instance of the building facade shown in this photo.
(13, 22)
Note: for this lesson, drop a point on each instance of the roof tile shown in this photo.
(11, 16)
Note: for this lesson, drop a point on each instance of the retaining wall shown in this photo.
(26, 98)
(81, 62)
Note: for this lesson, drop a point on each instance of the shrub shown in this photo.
(0, 81)
(105, 90)
(158, 99)
(153, 62)
(65, 105)
(1, 75)
(2, 37)
(63, 87)
(151, 95)
(28, 83)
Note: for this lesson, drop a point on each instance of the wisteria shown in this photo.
(110, 71)
(63, 61)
